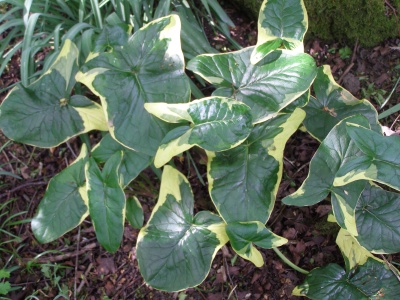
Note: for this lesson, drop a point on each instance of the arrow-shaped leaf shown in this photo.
(175, 249)
(216, 124)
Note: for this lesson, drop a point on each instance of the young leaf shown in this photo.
(132, 162)
(332, 104)
(243, 181)
(243, 235)
(134, 212)
(64, 205)
(148, 68)
(175, 249)
(380, 159)
(217, 124)
(44, 114)
(267, 87)
(280, 22)
(362, 282)
(106, 201)
(378, 220)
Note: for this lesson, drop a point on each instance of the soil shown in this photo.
(76, 266)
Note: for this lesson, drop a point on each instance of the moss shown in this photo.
(371, 21)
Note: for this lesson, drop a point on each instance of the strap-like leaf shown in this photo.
(148, 68)
(217, 124)
(44, 114)
(175, 249)
(280, 22)
(243, 181)
(267, 87)
(64, 205)
(106, 201)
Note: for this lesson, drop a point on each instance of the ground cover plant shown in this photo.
(262, 97)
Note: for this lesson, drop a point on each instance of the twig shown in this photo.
(23, 186)
(84, 278)
(230, 280)
(393, 269)
(353, 57)
(76, 261)
(398, 117)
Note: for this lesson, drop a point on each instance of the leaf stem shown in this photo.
(288, 262)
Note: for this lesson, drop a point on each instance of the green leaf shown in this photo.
(44, 114)
(112, 36)
(216, 124)
(267, 87)
(353, 253)
(64, 205)
(175, 249)
(148, 68)
(243, 235)
(378, 220)
(4, 274)
(363, 282)
(332, 104)
(380, 159)
(280, 22)
(106, 201)
(5, 287)
(134, 212)
(132, 162)
(243, 181)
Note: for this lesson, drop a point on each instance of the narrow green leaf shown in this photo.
(243, 181)
(243, 235)
(380, 159)
(64, 205)
(267, 87)
(175, 249)
(280, 21)
(134, 212)
(106, 201)
(217, 124)
(366, 281)
(332, 104)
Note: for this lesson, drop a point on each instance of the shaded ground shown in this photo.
(77, 267)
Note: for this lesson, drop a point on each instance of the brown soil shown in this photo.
(75, 265)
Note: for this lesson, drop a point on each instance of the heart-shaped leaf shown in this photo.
(368, 281)
(216, 124)
(175, 249)
(65, 204)
(380, 159)
(45, 114)
(243, 235)
(132, 162)
(280, 22)
(106, 201)
(148, 68)
(267, 87)
(378, 220)
(243, 181)
(332, 104)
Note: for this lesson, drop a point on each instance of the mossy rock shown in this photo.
(371, 21)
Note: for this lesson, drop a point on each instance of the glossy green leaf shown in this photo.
(45, 114)
(175, 249)
(380, 159)
(280, 22)
(106, 201)
(363, 282)
(134, 212)
(298, 103)
(112, 36)
(268, 87)
(64, 205)
(332, 104)
(243, 181)
(148, 68)
(243, 236)
(378, 220)
(132, 162)
(216, 124)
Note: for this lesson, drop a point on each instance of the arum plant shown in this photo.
(261, 97)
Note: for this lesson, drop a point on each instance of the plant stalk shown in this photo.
(288, 262)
